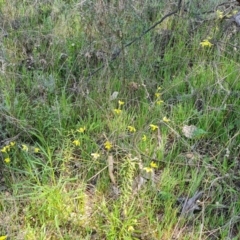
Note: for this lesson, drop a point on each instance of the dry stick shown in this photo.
(110, 162)
(117, 53)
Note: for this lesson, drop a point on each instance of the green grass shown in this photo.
(51, 187)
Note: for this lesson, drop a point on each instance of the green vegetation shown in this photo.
(100, 140)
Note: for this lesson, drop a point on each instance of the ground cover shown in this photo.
(110, 133)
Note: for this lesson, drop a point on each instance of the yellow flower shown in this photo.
(148, 169)
(12, 144)
(3, 237)
(36, 150)
(157, 95)
(206, 43)
(95, 155)
(144, 138)
(153, 127)
(166, 120)
(76, 142)
(153, 165)
(120, 103)
(81, 129)
(4, 150)
(7, 160)
(219, 14)
(117, 111)
(107, 145)
(160, 102)
(159, 88)
(131, 229)
(131, 129)
(25, 147)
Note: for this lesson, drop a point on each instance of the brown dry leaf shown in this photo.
(188, 131)
(133, 86)
(110, 162)
(190, 156)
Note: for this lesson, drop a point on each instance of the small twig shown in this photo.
(96, 174)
